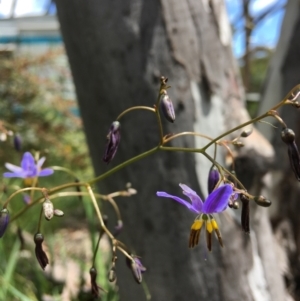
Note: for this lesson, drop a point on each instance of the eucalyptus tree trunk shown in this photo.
(284, 188)
(117, 51)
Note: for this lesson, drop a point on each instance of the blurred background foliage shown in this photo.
(37, 103)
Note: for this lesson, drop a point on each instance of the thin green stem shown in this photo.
(186, 134)
(66, 170)
(122, 165)
(96, 248)
(135, 108)
(20, 191)
(235, 129)
(252, 121)
(40, 221)
(91, 193)
(223, 168)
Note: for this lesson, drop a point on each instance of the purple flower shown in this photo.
(216, 202)
(28, 168)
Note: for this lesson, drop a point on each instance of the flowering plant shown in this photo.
(224, 188)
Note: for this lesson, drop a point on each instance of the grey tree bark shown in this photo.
(117, 51)
(284, 188)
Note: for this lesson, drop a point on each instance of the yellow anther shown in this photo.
(209, 226)
(214, 224)
(197, 225)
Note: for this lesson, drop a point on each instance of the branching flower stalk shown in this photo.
(224, 186)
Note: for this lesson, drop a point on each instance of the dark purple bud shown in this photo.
(288, 136)
(17, 142)
(48, 209)
(167, 108)
(213, 179)
(4, 220)
(113, 140)
(262, 201)
(245, 215)
(294, 158)
(95, 287)
(39, 252)
(136, 268)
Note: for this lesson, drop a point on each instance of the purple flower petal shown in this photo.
(194, 197)
(13, 168)
(217, 201)
(40, 162)
(27, 161)
(179, 200)
(46, 172)
(14, 175)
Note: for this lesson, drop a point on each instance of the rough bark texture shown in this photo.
(117, 52)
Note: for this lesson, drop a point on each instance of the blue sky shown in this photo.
(265, 34)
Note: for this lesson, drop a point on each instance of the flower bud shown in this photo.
(294, 158)
(245, 220)
(39, 252)
(94, 285)
(118, 228)
(262, 201)
(17, 142)
(287, 135)
(112, 276)
(113, 140)
(136, 268)
(48, 209)
(58, 213)
(246, 133)
(213, 179)
(167, 108)
(236, 205)
(4, 220)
